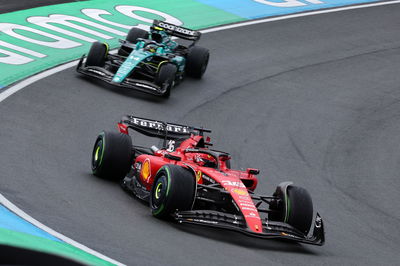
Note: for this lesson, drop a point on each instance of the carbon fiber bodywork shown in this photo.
(270, 230)
(129, 83)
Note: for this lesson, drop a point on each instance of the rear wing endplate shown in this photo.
(177, 31)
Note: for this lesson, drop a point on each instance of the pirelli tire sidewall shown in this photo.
(197, 61)
(97, 54)
(173, 189)
(299, 208)
(165, 78)
(112, 155)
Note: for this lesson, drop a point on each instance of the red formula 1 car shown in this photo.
(192, 183)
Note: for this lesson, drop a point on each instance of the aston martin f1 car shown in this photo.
(188, 181)
(148, 61)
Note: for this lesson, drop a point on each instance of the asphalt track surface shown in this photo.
(315, 100)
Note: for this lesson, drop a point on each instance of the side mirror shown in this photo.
(253, 171)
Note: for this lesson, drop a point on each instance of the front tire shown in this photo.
(197, 61)
(165, 78)
(173, 189)
(112, 155)
(97, 54)
(295, 208)
(299, 209)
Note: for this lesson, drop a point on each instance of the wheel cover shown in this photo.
(159, 192)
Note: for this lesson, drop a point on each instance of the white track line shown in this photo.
(311, 13)
(19, 86)
(38, 224)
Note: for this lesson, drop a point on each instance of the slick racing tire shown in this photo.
(112, 155)
(173, 189)
(294, 207)
(97, 54)
(197, 61)
(299, 212)
(133, 35)
(165, 78)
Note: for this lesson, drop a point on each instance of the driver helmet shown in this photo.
(205, 160)
(151, 48)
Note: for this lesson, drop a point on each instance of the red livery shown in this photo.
(191, 183)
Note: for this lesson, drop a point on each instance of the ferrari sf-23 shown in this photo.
(189, 182)
(150, 62)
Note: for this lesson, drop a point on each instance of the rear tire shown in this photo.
(197, 61)
(166, 77)
(136, 33)
(173, 189)
(133, 35)
(97, 54)
(112, 155)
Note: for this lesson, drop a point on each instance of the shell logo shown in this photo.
(198, 176)
(239, 191)
(146, 170)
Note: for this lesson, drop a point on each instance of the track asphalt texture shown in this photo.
(314, 100)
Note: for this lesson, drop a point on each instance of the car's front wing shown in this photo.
(107, 76)
(271, 229)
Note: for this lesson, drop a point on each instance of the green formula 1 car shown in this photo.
(148, 61)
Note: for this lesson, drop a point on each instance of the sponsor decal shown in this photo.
(209, 179)
(251, 215)
(146, 170)
(239, 191)
(318, 222)
(145, 86)
(159, 126)
(138, 166)
(290, 235)
(233, 183)
(198, 176)
(249, 209)
(288, 3)
(246, 203)
(177, 29)
(236, 220)
(96, 71)
(205, 221)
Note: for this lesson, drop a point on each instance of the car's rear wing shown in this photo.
(160, 129)
(177, 31)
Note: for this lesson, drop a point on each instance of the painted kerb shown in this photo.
(40, 38)
(37, 39)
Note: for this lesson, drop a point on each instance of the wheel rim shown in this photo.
(159, 192)
(97, 156)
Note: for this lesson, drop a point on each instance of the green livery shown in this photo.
(152, 62)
